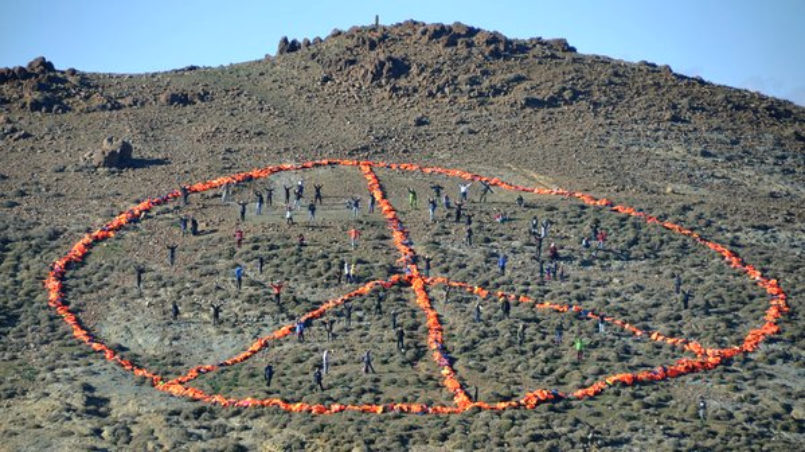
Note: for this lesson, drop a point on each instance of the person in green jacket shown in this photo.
(579, 345)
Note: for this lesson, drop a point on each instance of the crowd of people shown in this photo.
(546, 269)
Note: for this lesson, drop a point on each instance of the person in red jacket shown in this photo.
(354, 235)
(239, 237)
(277, 289)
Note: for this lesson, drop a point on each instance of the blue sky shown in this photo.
(747, 44)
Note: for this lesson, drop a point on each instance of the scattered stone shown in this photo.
(40, 65)
(421, 120)
(286, 46)
(114, 153)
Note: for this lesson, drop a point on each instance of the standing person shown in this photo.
(485, 191)
(288, 215)
(601, 324)
(602, 237)
(558, 332)
(276, 287)
(446, 201)
(354, 234)
(260, 262)
(381, 295)
(138, 271)
(287, 194)
(541, 269)
(193, 227)
(299, 329)
(459, 205)
(258, 206)
(348, 313)
(225, 193)
(412, 201)
(579, 344)
(521, 334)
(329, 327)
(185, 193)
(464, 191)
(506, 307)
(325, 359)
(684, 297)
(702, 409)
(356, 206)
(431, 208)
(477, 312)
(311, 212)
(353, 274)
(347, 275)
(238, 237)
(585, 243)
(242, 205)
(677, 283)
(400, 340)
(468, 219)
(520, 201)
(239, 276)
(172, 254)
(317, 379)
(469, 236)
(534, 227)
(300, 187)
(268, 374)
(183, 225)
(300, 241)
(502, 260)
(216, 314)
(317, 197)
(394, 319)
(174, 310)
(367, 362)
(297, 198)
(371, 203)
(437, 190)
(270, 196)
(446, 294)
(427, 260)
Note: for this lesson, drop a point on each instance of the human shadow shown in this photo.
(145, 163)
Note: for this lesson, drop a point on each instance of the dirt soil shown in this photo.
(728, 163)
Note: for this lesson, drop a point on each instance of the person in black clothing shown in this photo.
(367, 363)
(506, 307)
(268, 373)
(270, 196)
(216, 314)
(520, 201)
(400, 340)
(469, 236)
(394, 319)
(328, 326)
(287, 194)
(317, 379)
(317, 196)
(437, 190)
(138, 271)
(183, 225)
(677, 283)
(174, 310)
(521, 334)
(193, 226)
(260, 262)
(485, 191)
(558, 333)
(172, 254)
(459, 205)
(469, 219)
(685, 298)
(185, 193)
(427, 265)
(242, 205)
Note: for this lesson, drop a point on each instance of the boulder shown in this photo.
(286, 46)
(174, 98)
(114, 153)
(40, 65)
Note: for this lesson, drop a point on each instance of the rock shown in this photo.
(40, 65)
(44, 102)
(421, 120)
(286, 46)
(114, 153)
(383, 68)
(174, 98)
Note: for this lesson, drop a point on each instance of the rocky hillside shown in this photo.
(77, 148)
